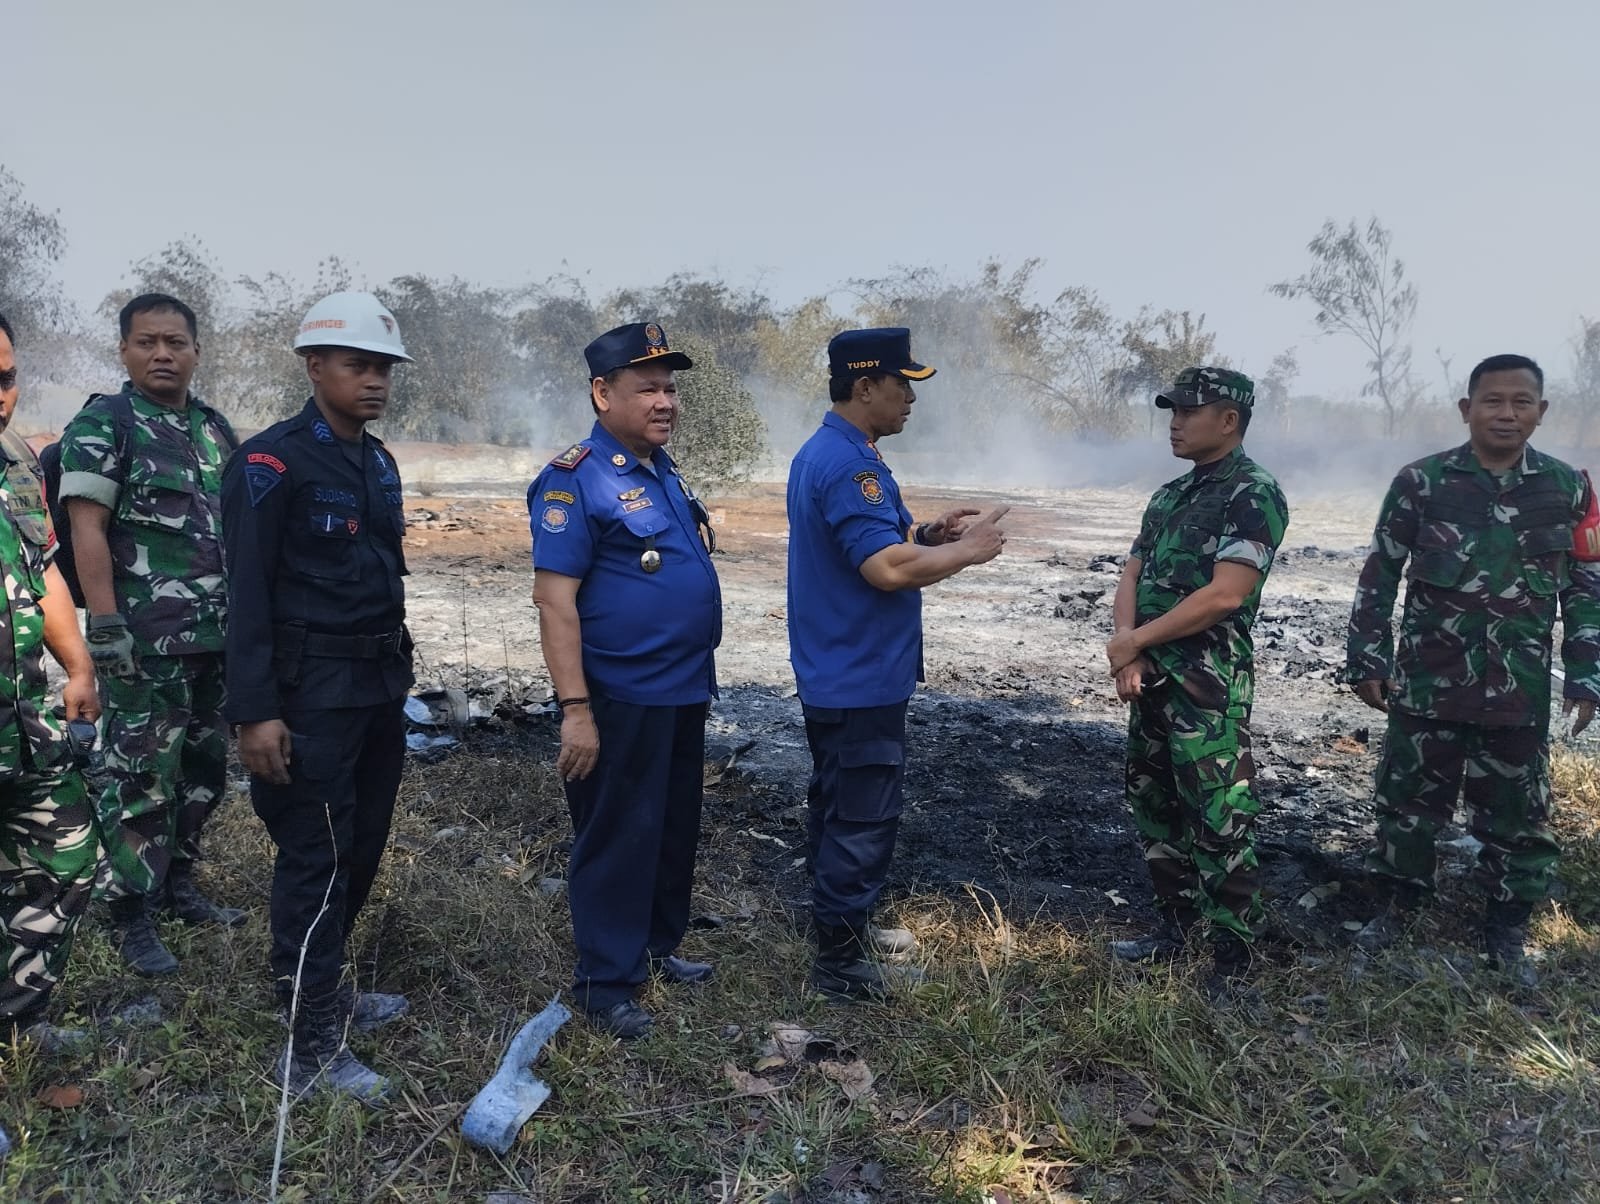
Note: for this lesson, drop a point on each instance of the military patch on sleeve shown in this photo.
(560, 495)
(262, 474)
(570, 458)
(871, 487)
(554, 519)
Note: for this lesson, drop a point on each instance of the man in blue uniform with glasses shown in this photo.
(630, 614)
(857, 564)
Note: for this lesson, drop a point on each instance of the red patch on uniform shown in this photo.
(271, 462)
(352, 525)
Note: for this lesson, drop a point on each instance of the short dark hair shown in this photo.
(1504, 363)
(841, 387)
(5, 329)
(156, 303)
(1244, 413)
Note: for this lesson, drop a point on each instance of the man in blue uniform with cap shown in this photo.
(857, 564)
(630, 615)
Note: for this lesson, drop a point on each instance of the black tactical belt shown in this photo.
(347, 647)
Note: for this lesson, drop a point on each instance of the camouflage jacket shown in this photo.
(27, 545)
(165, 498)
(1489, 560)
(1231, 511)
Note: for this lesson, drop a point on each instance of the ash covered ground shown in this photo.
(1016, 741)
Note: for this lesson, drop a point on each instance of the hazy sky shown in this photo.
(1170, 153)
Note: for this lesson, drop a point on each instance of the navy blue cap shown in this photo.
(868, 352)
(630, 346)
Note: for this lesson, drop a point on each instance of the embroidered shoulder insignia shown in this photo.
(570, 458)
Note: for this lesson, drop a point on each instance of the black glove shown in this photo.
(111, 646)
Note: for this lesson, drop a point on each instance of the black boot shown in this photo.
(1228, 984)
(190, 905)
(1399, 905)
(1161, 944)
(134, 930)
(317, 1058)
(1505, 940)
(844, 971)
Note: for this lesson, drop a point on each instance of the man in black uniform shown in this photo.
(318, 664)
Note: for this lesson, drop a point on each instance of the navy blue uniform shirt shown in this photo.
(312, 530)
(851, 645)
(595, 512)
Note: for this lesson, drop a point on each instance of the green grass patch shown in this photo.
(1028, 1067)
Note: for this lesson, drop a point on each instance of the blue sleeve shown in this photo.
(860, 513)
(562, 540)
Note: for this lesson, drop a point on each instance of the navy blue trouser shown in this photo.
(853, 807)
(330, 823)
(635, 828)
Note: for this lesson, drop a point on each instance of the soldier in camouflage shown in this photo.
(143, 489)
(1487, 529)
(1182, 656)
(48, 850)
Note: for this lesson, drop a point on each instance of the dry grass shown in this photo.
(1028, 1067)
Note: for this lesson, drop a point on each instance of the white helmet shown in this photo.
(356, 320)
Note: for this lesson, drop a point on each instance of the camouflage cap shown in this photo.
(1205, 386)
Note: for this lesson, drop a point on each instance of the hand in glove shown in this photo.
(111, 646)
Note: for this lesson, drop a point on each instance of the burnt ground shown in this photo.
(1016, 741)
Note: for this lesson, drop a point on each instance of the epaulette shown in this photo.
(571, 458)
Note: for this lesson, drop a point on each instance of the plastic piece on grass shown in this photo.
(498, 1112)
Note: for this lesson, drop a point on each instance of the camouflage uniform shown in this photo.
(48, 850)
(1489, 560)
(165, 741)
(1189, 772)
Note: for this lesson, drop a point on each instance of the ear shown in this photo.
(314, 368)
(861, 390)
(1465, 406)
(597, 393)
(1544, 407)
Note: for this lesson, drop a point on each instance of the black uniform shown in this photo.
(316, 608)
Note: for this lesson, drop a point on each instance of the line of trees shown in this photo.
(504, 365)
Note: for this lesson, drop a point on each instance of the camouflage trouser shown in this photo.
(1189, 786)
(48, 855)
(1507, 799)
(166, 756)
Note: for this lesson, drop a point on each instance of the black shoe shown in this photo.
(1505, 941)
(845, 973)
(1162, 944)
(191, 906)
(369, 1010)
(626, 1020)
(134, 931)
(1228, 984)
(675, 969)
(317, 1058)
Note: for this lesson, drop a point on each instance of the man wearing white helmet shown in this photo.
(319, 663)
